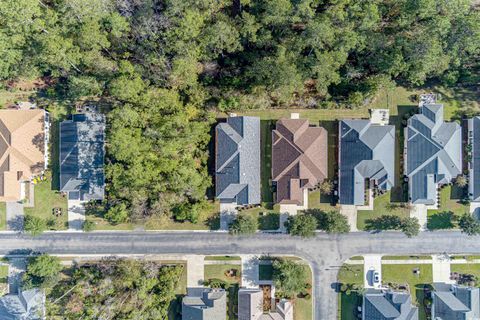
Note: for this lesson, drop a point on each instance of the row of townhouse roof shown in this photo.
(366, 156)
(24, 153)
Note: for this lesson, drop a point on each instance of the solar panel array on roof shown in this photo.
(82, 157)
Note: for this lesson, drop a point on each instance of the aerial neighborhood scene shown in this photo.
(240, 160)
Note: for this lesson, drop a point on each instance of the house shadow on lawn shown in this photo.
(442, 220)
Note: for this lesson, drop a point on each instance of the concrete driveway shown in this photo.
(195, 270)
(372, 263)
(351, 213)
(419, 211)
(441, 268)
(228, 212)
(250, 271)
(15, 216)
(76, 215)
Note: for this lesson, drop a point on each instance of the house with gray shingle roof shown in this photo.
(388, 305)
(26, 305)
(237, 161)
(82, 153)
(204, 304)
(451, 301)
(474, 159)
(433, 154)
(366, 154)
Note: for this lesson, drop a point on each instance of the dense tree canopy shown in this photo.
(116, 289)
(163, 66)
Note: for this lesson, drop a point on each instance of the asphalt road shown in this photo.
(325, 253)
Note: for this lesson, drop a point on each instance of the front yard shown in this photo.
(46, 200)
(3, 215)
(402, 274)
(382, 206)
(350, 279)
(450, 209)
(467, 268)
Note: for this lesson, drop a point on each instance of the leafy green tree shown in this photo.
(289, 277)
(88, 226)
(302, 225)
(43, 271)
(243, 224)
(83, 86)
(117, 213)
(410, 227)
(332, 222)
(34, 225)
(469, 225)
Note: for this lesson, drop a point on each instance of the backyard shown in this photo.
(382, 206)
(402, 274)
(350, 279)
(450, 209)
(46, 200)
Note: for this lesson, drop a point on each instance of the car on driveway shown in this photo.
(376, 277)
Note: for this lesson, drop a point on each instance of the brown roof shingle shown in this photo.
(21, 149)
(299, 158)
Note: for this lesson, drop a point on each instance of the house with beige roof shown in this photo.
(23, 150)
(299, 159)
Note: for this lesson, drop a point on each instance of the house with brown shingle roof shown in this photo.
(23, 150)
(299, 159)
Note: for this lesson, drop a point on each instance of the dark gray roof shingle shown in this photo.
(82, 156)
(433, 153)
(237, 155)
(388, 305)
(367, 151)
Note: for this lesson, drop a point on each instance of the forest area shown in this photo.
(163, 69)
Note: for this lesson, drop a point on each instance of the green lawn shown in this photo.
(180, 291)
(450, 209)
(222, 258)
(3, 215)
(267, 219)
(266, 156)
(3, 273)
(406, 257)
(468, 268)
(317, 200)
(46, 200)
(350, 275)
(303, 307)
(381, 207)
(217, 271)
(402, 274)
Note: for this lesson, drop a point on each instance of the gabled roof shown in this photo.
(82, 156)
(22, 149)
(204, 304)
(367, 151)
(237, 154)
(388, 305)
(434, 153)
(474, 141)
(250, 304)
(299, 158)
(455, 302)
(27, 305)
